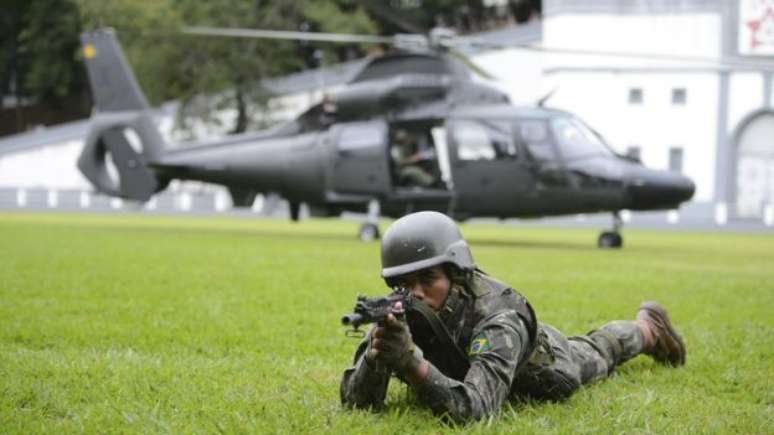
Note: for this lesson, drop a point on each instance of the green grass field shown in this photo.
(132, 323)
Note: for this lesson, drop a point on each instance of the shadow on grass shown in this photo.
(409, 406)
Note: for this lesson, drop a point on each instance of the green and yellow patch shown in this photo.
(479, 345)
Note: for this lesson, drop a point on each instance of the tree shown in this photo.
(148, 33)
(37, 53)
(396, 16)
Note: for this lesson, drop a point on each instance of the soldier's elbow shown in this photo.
(460, 417)
(351, 400)
(362, 404)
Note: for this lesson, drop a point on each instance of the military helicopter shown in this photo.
(412, 131)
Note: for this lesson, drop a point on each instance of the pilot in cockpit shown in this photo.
(413, 159)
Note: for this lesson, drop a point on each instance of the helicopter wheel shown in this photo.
(368, 232)
(610, 239)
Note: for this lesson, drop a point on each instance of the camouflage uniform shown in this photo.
(503, 362)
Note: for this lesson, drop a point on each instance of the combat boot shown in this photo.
(667, 346)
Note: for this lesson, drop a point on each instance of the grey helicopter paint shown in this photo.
(484, 157)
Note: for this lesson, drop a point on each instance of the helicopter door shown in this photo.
(359, 159)
(554, 192)
(490, 176)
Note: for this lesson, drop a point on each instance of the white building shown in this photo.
(703, 107)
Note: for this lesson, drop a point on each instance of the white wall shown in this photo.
(519, 73)
(696, 34)
(771, 99)
(50, 167)
(745, 95)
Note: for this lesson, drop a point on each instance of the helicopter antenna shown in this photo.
(542, 101)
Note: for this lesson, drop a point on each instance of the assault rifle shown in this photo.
(374, 310)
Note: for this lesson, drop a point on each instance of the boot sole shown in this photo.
(659, 313)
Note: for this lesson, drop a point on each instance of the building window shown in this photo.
(676, 159)
(635, 96)
(679, 95)
(633, 152)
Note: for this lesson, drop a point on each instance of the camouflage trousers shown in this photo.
(560, 365)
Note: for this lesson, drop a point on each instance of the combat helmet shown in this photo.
(421, 240)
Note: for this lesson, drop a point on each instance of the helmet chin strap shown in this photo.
(450, 304)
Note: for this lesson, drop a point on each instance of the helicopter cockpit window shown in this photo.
(576, 140)
(473, 141)
(534, 134)
(501, 135)
(359, 137)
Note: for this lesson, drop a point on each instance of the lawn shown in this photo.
(137, 323)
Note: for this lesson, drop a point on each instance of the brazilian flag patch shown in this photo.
(479, 345)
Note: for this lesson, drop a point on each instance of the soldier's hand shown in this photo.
(390, 341)
(391, 344)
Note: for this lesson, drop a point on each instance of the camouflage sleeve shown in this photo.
(495, 351)
(362, 385)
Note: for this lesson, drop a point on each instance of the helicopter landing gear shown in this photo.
(295, 211)
(612, 239)
(369, 231)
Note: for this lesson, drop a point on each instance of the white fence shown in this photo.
(165, 202)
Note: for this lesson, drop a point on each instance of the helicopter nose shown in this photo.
(660, 190)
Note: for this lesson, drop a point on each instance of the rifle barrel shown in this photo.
(353, 319)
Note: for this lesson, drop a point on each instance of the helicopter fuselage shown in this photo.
(489, 161)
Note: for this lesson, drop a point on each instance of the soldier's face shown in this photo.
(428, 285)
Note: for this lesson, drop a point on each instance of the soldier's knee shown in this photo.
(564, 385)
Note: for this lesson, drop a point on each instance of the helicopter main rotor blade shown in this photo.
(684, 58)
(287, 35)
(411, 41)
(470, 64)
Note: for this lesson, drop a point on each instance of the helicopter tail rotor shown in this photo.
(117, 154)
